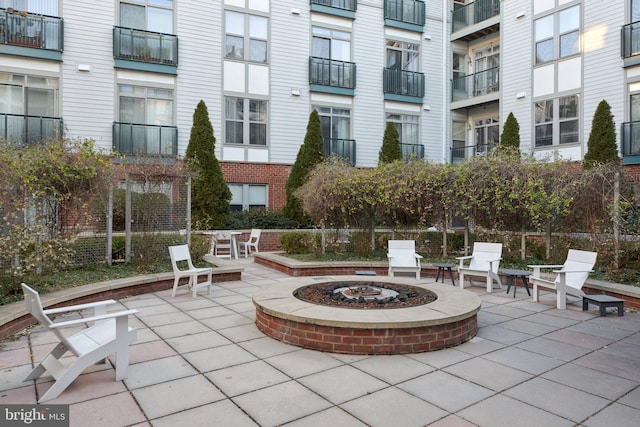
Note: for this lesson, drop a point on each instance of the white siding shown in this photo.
(88, 97)
(516, 55)
(290, 47)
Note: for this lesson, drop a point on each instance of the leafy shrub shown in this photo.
(260, 218)
(300, 242)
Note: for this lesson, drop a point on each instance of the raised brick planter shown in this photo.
(367, 341)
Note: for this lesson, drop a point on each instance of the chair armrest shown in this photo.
(537, 267)
(572, 271)
(93, 318)
(417, 256)
(461, 258)
(79, 306)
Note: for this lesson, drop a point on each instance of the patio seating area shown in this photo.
(202, 360)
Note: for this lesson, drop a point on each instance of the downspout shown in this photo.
(445, 78)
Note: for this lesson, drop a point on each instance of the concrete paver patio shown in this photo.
(203, 362)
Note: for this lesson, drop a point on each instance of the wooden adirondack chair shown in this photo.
(403, 257)
(483, 262)
(109, 334)
(570, 279)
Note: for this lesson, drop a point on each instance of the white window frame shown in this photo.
(558, 118)
(248, 120)
(248, 37)
(245, 196)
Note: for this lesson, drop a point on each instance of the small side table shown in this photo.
(513, 279)
(441, 269)
(603, 301)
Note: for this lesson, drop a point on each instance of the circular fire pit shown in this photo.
(448, 321)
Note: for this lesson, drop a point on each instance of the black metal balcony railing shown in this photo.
(25, 29)
(477, 84)
(401, 82)
(630, 139)
(463, 154)
(145, 46)
(20, 129)
(329, 72)
(343, 148)
(408, 11)
(145, 140)
(412, 151)
(350, 5)
(473, 13)
(630, 40)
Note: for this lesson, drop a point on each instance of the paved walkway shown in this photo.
(202, 362)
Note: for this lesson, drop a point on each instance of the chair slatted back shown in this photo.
(483, 253)
(402, 253)
(581, 261)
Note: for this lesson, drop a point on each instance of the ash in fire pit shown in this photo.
(365, 295)
(367, 292)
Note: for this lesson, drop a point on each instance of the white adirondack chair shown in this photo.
(570, 279)
(181, 253)
(483, 262)
(403, 257)
(109, 334)
(254, 239)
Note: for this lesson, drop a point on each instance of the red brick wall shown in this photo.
(273, 175)
(367, 341)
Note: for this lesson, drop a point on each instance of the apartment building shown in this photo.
(129, 74)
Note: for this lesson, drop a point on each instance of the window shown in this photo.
(635, 10)
(407, 126)
(335, 122)
(150, 15)
(145, 105)
(49, 7)
(28, 108)
(241, 128)
(248, 196)
(487, 134)
(246, 37)
(558, 35)
(564, 112)
(331, 44)
(403, 56)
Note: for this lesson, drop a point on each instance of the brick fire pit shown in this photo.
(446, 322)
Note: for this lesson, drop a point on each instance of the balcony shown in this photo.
(43, 35)
(343, 148)
(412, 151)
(404, 86)
(466, 153)
(25, 130)
(344, 8)
(140, 140)
(475, 20)
(630, 145)
(630, 43)
(404, 14)
(331, 76)
(476, 85)
(145, 50)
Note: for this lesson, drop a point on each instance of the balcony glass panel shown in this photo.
(401, 82)
(409, 11)
(412, 151)
(337, 4)
(474, 13)
(477, 84)
(630, 40)
(145, 140)
(343, 148)
(21, 129)
(25, 29)
(145, 46)
(329, 72)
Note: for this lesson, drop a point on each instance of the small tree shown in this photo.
(210, 193)
(510, 138)
(390, 150)
(601, 147)
(310, 154)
